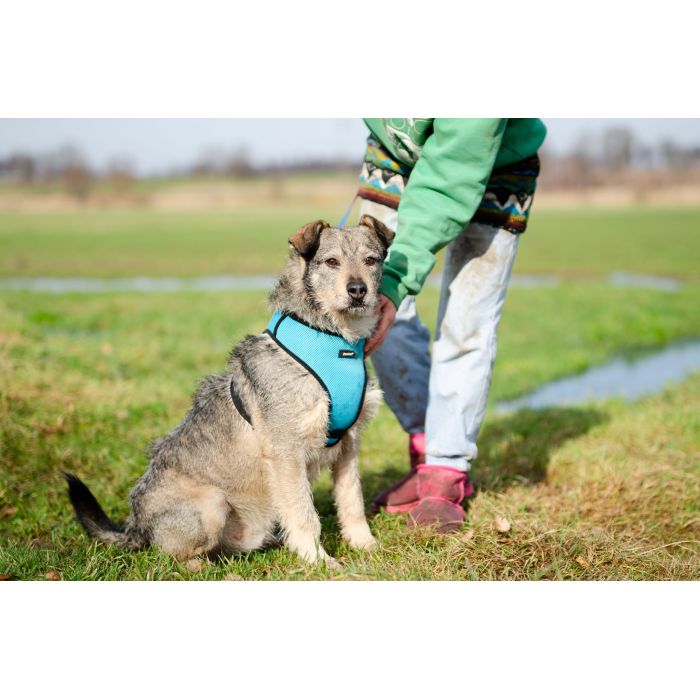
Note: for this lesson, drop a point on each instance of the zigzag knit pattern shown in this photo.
(506, 202)
(508, 197)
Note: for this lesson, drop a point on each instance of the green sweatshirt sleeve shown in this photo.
(442, 195)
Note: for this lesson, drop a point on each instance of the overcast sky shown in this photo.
(156, 145)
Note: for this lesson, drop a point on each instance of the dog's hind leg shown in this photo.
(246, 530)
(184, 518)
(348, 498)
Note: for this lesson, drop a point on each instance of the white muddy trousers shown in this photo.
(445, 396)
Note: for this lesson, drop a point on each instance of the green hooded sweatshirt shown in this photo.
(450, 163)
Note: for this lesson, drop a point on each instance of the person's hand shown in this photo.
(387, 313)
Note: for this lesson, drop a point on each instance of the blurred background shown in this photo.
(215, 196)
(134, 253)
(146, 162)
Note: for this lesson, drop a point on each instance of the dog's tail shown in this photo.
(95, 520)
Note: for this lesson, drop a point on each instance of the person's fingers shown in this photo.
(385, 320)
(371, 345)
(374, 341)
(371, 342)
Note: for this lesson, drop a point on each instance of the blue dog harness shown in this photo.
(338, 366)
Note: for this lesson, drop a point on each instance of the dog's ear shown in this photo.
(383, 233)
(305, 240)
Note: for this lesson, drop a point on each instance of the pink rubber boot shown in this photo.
(432, 494)
(416, 456)
(441, 491)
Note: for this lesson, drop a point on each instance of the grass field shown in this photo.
(252, 240)
(610, 491)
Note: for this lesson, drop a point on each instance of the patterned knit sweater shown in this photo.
(446, 173)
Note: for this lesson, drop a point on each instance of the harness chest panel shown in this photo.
(338, 366)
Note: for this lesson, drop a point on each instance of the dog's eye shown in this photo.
(370, 261)
(332, 262)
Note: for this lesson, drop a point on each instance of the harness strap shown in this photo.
(238, 402)
(324, 355)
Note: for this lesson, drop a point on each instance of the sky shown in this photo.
(154, 146)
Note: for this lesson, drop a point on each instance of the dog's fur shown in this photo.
(219, 484)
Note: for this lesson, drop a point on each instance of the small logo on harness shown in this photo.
(346, 353)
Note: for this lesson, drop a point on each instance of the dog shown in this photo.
(238, 469)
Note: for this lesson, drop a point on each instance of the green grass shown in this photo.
(547, 333)
(589, 242)
(133, 242)
(105, 243)
(87, 381)
(604, 492)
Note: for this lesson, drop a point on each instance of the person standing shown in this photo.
(467, 185)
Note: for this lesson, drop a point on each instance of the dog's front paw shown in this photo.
(364, 542)
(331, 563)
(318, 555)
(327, 560)
(365, 545)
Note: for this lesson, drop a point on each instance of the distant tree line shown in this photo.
(66, 167)
(617, 156)
(614, 155)
(217, 162)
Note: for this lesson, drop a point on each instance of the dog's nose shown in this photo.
(357, 289)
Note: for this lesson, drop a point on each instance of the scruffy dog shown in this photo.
(242, 460)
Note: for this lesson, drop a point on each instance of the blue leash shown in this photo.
(343, 221)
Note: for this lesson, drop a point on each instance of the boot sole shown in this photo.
(406, 507)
